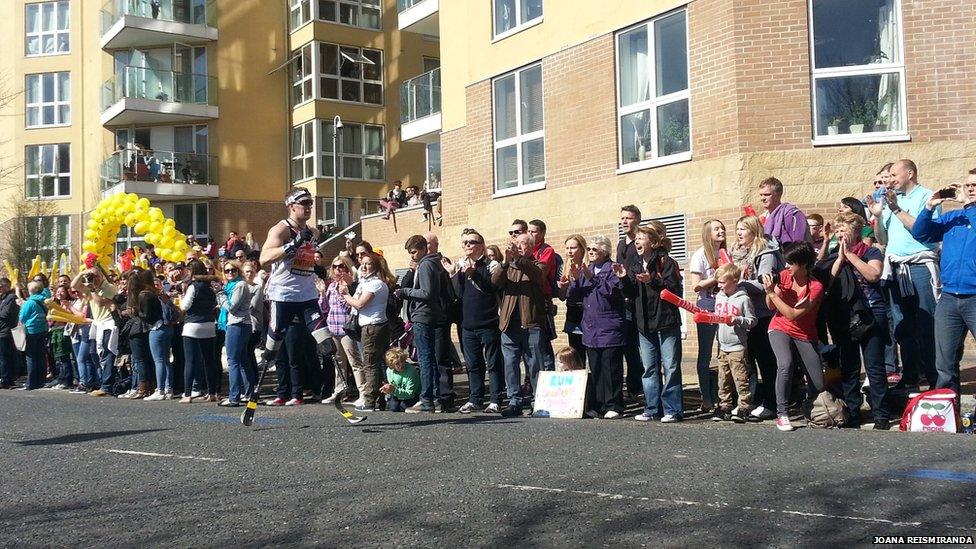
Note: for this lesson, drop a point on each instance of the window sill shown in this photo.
(347, 25)
(654, 163)
(859, 139)
(39, 198)
(46, 126)
(347, 102)
(519, 190)
(33, 55)
(518, 29)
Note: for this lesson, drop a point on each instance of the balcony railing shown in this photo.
(159, 85)
(152, 166)
(195, 12)
(420, 96)
(404, 5)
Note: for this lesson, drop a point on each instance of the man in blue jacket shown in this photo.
(956, 311)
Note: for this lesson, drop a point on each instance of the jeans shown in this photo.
(482, 349)
(760, 353)
(65, 371)
(142, 362)
(707, 380)
(160, 341)
(661, 351)
(8, 361)
(393, 404)
(87, 360)
(106, 361)
(955, 315)
(914, 319)
(241, 380)
(36, 354)
(199, 357)
(519, 343)
(872, 350)
(431, 342)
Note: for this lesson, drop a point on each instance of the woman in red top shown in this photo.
(795, 298)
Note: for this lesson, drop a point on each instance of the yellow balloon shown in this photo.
(156, 214)
(170, 223)
(91, 234)
(155, 227)
(142, 204)
(169, 231)
(132, 198)
(166, 243)
(92, 224)
(89, 247)
(181, 245)
(141, 227)
(130, 219)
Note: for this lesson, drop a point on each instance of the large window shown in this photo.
(302, 76)
(520, 159)
(653, 96)
(48, 99)
(48, 236)
(338, 73)
(48, 171)
(360, 151)
(434, 166)
(47, 28)
(329, 215)
(192, 219)
(512, 16)
(858, 70)
(355, 13)
(303, 152)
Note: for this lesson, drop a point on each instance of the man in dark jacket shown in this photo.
(630, 219)
(476, 282)
(9, 313)
(426, 295)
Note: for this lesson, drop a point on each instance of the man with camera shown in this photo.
(956, 312)
(911, 269)
(100, 294)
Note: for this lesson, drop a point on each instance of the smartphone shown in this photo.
(948, 192)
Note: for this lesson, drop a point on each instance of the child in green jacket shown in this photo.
(402, 388)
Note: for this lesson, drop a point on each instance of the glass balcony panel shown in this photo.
(194, 12)
(153, 166)
(159, 85)
(420, 96)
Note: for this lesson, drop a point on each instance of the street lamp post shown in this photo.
(336, 128)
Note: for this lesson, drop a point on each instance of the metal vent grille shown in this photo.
(677, 227)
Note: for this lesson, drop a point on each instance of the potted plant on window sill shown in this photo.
(863, 116)
(833, 128)
(674, 137)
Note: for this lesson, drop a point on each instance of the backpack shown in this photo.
(827, 412)
(932, 412)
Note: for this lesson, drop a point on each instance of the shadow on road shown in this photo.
(83, 437)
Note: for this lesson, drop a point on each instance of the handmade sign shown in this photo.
(561, 394)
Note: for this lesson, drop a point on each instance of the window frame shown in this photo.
(317, 16)
(58, 247)
(305, 128)
(876, 69)
(295, 6)
(519, 26)
(58, 102)
(363, 157)
(42, 33)
(309, 76)
(344, 205)
(361, 81)
(57, 175)
(653, 103)
(196, 219)
(519, 138)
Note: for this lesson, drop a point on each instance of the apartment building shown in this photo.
(212, 109)
(566, 111)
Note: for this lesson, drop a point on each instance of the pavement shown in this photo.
(77, 470)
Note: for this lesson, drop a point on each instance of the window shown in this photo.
(47, 28)
(520, 160)
(302, 76)
(361, 151)
(49, 237)
(372, 207)
(299, 13)
(652, 92)
(348, 73)
(127, 238)
(48, 99)
(434, 166)
(356, 13)
(858, 70)
(302, 152)
(329, 216)
(512, 16)
(48, 171)
(192, 219)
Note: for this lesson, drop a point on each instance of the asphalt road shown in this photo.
(76, 470)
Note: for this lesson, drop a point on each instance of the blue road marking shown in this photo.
(216, 418)
(939, 474)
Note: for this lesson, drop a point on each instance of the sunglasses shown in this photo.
(340, 266)
(472, 242)
(592, 249)
(230, 270)
(306, 203)
(513, 233)
(879, 182)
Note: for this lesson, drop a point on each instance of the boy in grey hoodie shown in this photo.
(734, 304)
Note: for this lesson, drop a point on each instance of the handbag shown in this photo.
(861, 324)
(351, 326)
(19, 335)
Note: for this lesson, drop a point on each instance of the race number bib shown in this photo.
(304, 262)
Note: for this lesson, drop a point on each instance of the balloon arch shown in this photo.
(144, 219)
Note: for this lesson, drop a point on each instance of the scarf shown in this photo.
(228, 291)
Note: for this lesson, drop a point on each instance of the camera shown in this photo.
(948, 192)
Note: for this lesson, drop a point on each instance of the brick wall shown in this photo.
(711, 62)
(244, 217)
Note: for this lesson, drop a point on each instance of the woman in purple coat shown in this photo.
(599, 286)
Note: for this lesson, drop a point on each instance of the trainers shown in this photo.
(359, 403)
(721, 415)
(670, 418)
(611, 415)
(100, 393)
(329, 400)
(78, 391)
(761, 413)
(419, 407)
(492, 409)
(783, 423)
(364, 408)
(195, 394)
(643, 416)
(299, 402)
(882, 424)
(444, 408)
(511, 411)
(158, 395)
(275, 402)
(739, 416)
(469, 407)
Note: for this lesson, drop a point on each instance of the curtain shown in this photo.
(888, 94)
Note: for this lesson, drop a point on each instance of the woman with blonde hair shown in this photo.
(702, 268)
(574, 260)
(336, 312)
(758, 254)
(370, 299)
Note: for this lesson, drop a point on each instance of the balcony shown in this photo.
(420, 16)
(139, 95)
(420, 108)
(137, 24)
(160, 175)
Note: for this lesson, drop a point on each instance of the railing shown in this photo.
(420, 96)
(196, 12)
(152, 166)
(404, 5)
(159, 85)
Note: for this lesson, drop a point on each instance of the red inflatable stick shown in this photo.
(712, 318)
(749, 210)
(683, 303)
(723, 257)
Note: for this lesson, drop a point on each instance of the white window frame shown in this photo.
(357, 4)
(296, 6)
(59, 100)
(363, 157)
(198, 233)
(519, 138)
(326, 202)
(317, 91)
(861, 70)
(57, 175)
(43, 33)
(59, 247)
(652, 104)
(304, 155)
(309, 76)
(520, 25)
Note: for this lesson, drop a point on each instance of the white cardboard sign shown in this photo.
(560, 394)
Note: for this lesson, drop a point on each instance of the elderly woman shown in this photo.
(600, 287)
